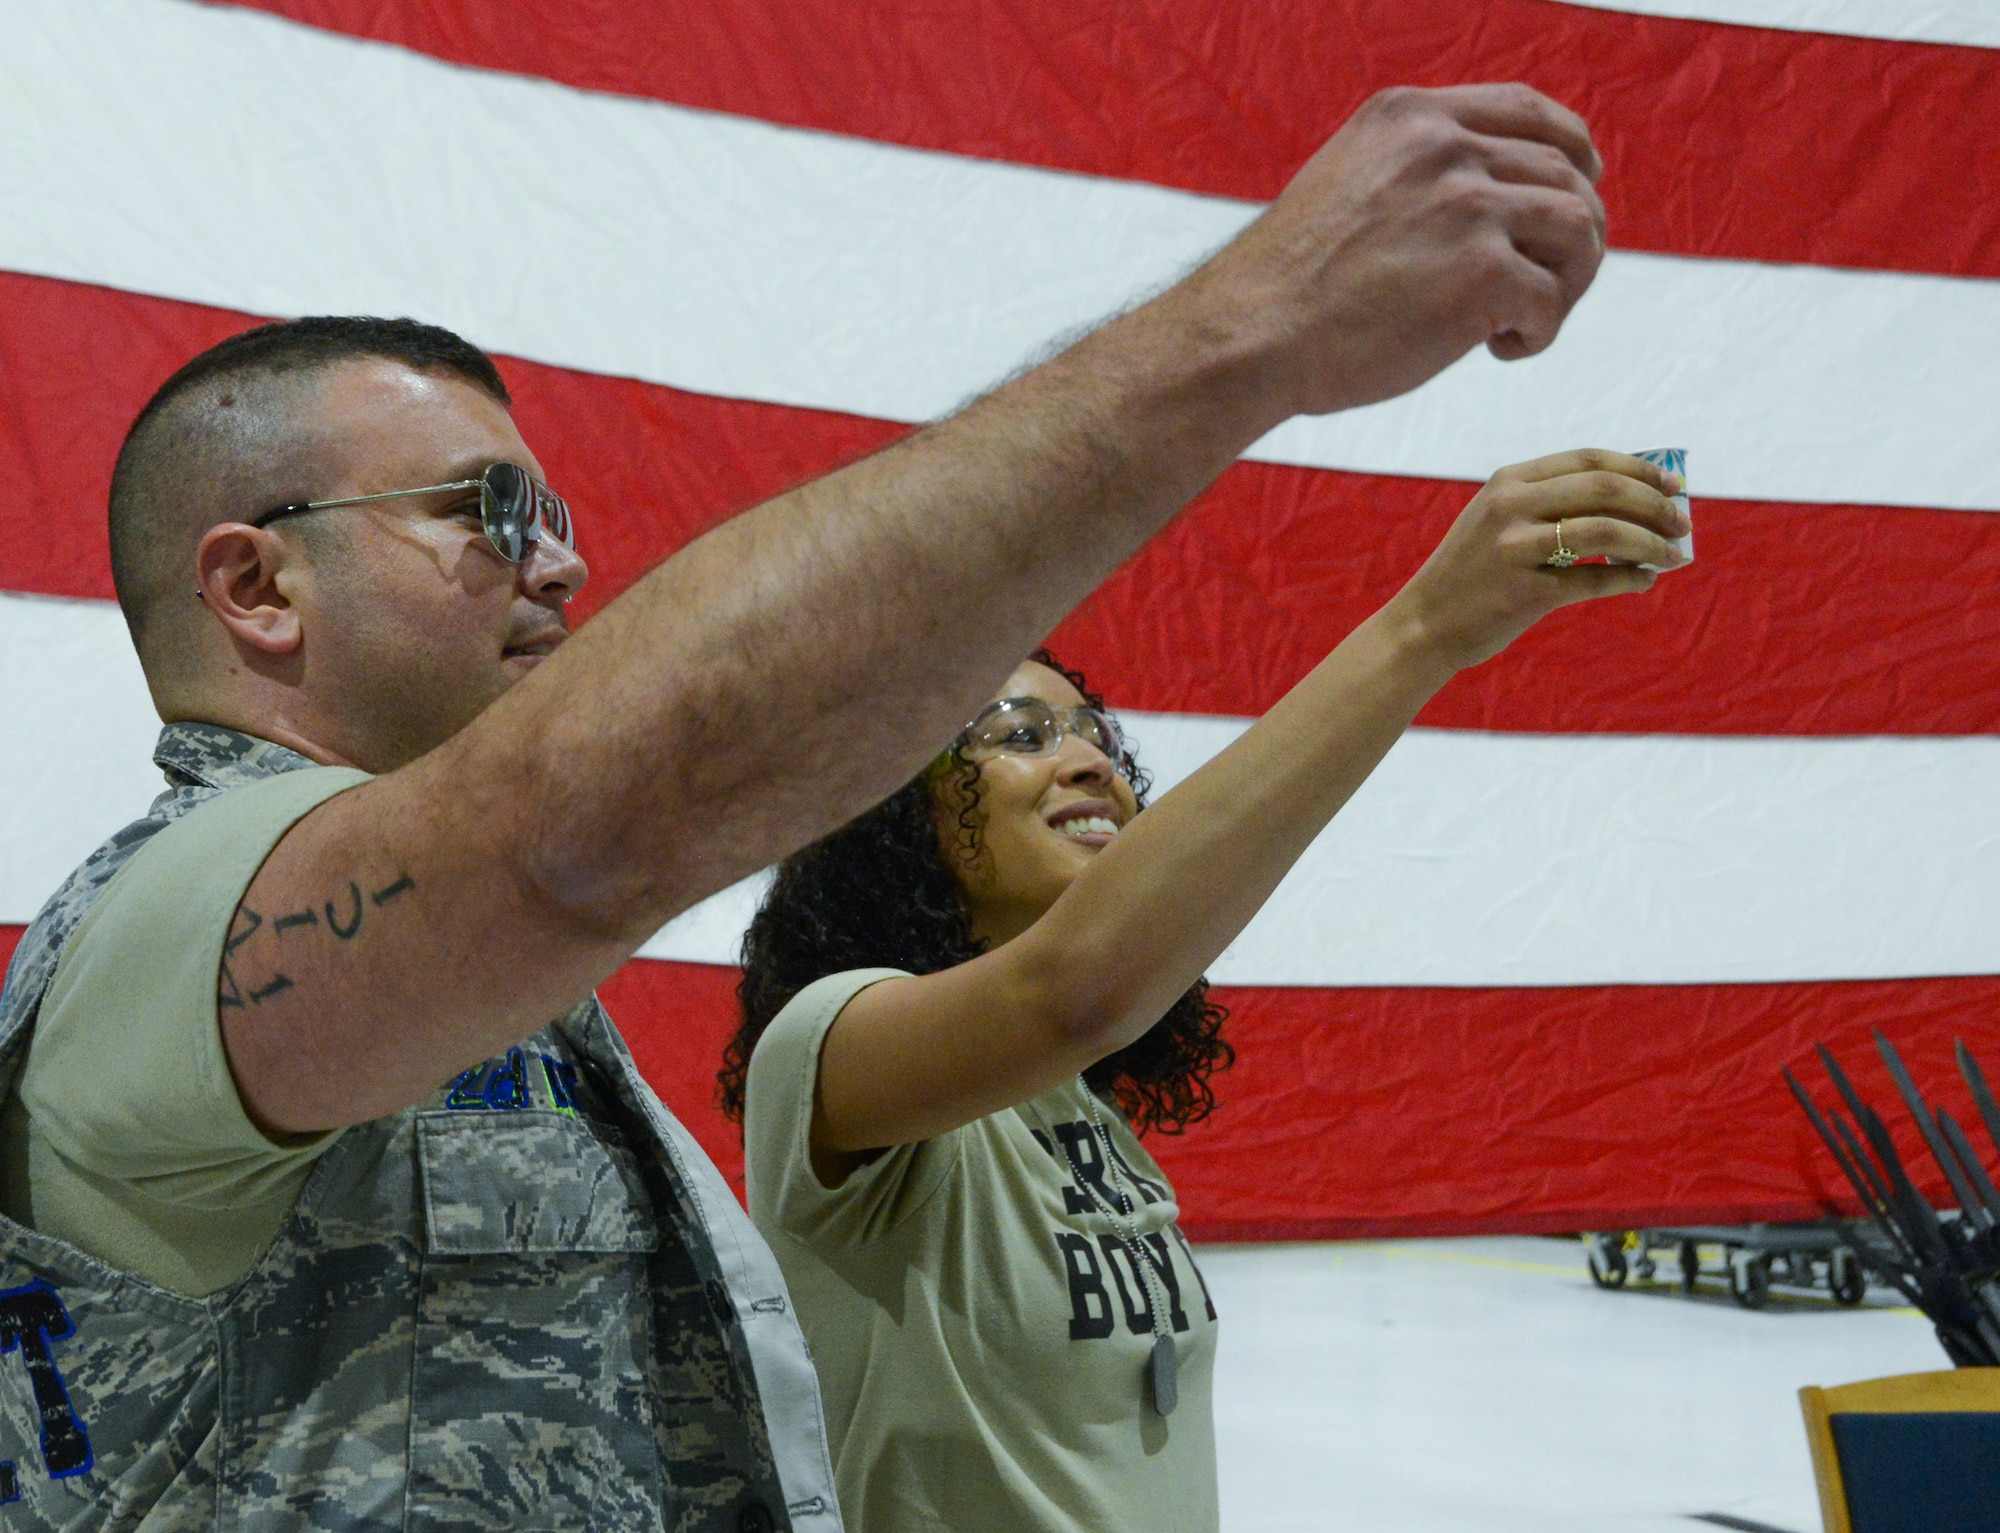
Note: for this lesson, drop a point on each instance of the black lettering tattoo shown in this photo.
(354, 925)
(239, 931)
(230, 991)
(278, 982)
(242, 927)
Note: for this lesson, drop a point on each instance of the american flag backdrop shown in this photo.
(1542, 973)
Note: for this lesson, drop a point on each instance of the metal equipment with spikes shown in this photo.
(1946, 1263)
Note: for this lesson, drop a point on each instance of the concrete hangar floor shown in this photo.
(1486, 1386)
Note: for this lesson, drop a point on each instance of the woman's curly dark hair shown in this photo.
(880, 892)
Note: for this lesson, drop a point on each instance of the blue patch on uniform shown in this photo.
(465, 1094)
(499, 1085)
(31, 1318)
(561, 1077)
(10, 1482)
(507, 1086)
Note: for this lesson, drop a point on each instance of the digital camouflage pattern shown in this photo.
(528, 1304)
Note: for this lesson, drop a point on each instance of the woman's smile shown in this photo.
(1091, 822)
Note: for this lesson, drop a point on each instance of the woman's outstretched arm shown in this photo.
(912, 1058)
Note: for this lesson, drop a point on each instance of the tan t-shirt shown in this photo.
(124, 1134)
(981, 1332)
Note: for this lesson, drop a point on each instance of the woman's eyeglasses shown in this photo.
(1027, 726)
(516, 510)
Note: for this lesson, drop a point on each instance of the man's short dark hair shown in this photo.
(224, 424)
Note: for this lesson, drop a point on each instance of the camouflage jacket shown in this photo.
(505, 1309)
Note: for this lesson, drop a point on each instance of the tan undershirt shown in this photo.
(124, 1134)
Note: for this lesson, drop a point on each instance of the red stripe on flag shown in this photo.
(1809, 620)
(1720, 140)
(1835, 620)
(647, 467)
(1402, 1112)
(1432, 1111)
(76, 365)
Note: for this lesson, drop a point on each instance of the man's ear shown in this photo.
(237, 569)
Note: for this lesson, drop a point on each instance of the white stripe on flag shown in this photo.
(1506, 859)
(227, 157)
(76, 757)
(1975, 23)
(1469, 859)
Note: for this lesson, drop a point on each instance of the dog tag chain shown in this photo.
(1163, 1368)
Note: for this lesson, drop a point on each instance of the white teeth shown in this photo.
(1089, 825)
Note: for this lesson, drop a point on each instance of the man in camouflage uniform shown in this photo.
(331, 1197)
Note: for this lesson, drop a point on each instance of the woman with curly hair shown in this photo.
(963, 1008)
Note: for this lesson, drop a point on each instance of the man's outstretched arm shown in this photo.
(795, 665)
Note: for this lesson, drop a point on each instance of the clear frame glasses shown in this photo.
(516, 510)
(1027, 726)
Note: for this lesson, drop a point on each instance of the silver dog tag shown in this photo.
(1166, 1376)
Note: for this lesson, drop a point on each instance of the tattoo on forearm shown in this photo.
(342, 916)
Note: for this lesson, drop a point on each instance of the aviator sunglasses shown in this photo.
(1027, 726)
(515, 509)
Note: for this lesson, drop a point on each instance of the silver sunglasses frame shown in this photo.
(539, 496)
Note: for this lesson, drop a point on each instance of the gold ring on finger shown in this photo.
(1563, 557)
